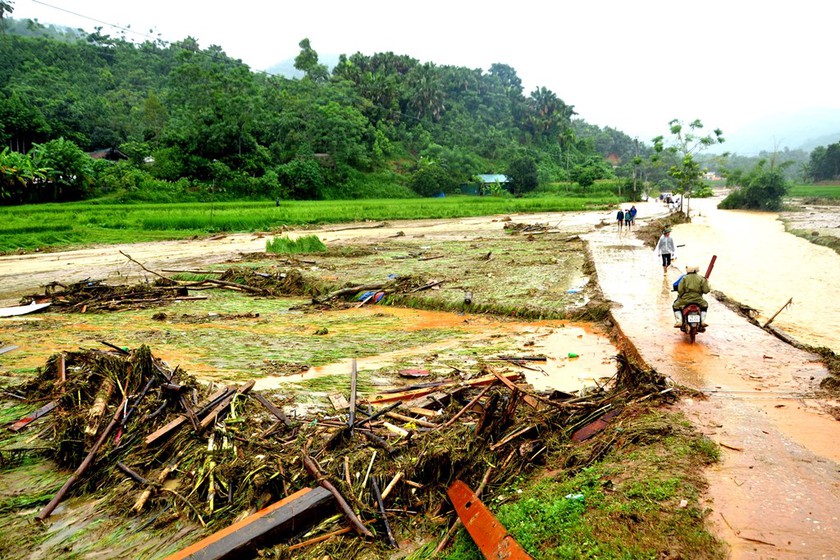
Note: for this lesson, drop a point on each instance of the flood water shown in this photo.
(762, 266)
(573, 357)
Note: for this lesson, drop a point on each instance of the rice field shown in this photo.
(51, 226)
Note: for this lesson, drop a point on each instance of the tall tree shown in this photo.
(684, 144)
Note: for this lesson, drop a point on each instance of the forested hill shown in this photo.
(193, 118)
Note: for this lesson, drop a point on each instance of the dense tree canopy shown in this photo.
(200, 119)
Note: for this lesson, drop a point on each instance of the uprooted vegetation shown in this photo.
(175, 452)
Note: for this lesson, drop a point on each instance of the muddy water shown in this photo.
(573, 357)
(775, 492)
(761, 265)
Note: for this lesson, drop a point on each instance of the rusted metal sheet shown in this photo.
(594, 427)
(489, 535)
(24, 422)
(289, 516)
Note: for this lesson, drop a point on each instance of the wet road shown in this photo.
(776, 492)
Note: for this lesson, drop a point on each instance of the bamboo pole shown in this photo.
(84, 466)
(789, 302)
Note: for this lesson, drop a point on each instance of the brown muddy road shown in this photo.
(776, 492)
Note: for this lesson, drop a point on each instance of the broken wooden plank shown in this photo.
(529, 400)
(27, 420)
(596, 426)
(273, 409)
(489, 535)
(339, 401)
(175, 424)
(484, 380)
(289, 516)
(211, 416)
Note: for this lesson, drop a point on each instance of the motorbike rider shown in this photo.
(691, 288)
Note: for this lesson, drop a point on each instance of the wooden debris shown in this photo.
(457, 523)
(274, 410)
(353, 374)
(489, 535)
(83, 467)
(380, 502)
(211, 417)
(392, 484)
(596, 426)
(484, 380)
(27, 420)
(529, 399)
(339, 401)
(98, 408)
(312, 468)
(175, 424)
(290, 515)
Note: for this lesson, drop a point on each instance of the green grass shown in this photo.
(286, 246)
(47, 226)
(627, 506)
(815, 191)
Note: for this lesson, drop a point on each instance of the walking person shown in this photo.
(667, 249)
(620, 218)
(628, 219)
(633, 212)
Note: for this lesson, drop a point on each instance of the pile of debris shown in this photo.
(94, 295)
(155, 438)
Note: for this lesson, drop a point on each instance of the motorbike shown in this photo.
(692, 321)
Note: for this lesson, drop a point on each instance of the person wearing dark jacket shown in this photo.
(691, 288)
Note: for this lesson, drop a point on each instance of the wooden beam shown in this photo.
(273, 409)
(211, 417)
(291, 515)
(26, 420)
(485, 380)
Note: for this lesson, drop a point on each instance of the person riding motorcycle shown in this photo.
(691, 288)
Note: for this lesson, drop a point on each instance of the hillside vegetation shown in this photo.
(195, 124)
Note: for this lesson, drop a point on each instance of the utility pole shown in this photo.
(635, 166)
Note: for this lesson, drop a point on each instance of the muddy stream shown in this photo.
(776, 491)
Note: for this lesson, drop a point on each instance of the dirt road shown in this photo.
(776, 492)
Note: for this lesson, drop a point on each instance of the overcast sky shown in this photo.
(633, 66)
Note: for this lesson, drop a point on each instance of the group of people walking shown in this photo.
(626, 218)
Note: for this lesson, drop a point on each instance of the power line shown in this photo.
(115, 26)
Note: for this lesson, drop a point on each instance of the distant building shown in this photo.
(485, 180)
(111, 154)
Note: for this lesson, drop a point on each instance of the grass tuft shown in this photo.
(305, 244)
